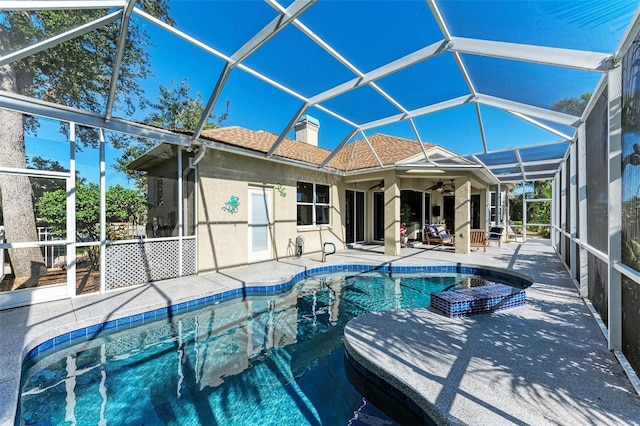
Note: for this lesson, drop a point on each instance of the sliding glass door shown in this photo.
(354, 216)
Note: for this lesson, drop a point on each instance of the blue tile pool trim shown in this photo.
(92, 331)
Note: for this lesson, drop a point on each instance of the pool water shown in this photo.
(255, 360)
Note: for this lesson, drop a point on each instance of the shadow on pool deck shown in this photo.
(549, 354)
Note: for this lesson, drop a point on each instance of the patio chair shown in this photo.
(495, 235)
(478, 238)
(437, 234)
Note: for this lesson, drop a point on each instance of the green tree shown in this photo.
(75, 73)
(125, 205)
(538, 212)
(572, 106)
(122, 205)
(515, 207)
(52, 210)
(40, 185)
(175, 109)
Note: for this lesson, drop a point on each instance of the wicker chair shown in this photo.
(437, 234)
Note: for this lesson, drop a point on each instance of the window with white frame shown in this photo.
(496, 202)
(313, 204)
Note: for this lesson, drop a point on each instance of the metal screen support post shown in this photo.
(524, 214)
(563, 209)
(103, 215)
(583, 271)
(572, 205)
(180, 212)
(615, 207)
(71, 214)
(498, 205)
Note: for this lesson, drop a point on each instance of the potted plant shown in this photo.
(403, 234)
(406, 217)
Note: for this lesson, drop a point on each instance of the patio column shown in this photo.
(487, 208)
(484, 208)
(391, 214)
(462, 214)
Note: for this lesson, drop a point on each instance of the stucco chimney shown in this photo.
(307, 130)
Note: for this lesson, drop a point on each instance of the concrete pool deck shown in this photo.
(544, 363)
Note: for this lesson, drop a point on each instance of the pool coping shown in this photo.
(47, 339)
(397, 389)
(422, 359)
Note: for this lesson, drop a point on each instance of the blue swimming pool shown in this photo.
(252, 360)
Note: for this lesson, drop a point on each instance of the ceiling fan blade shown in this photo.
(438, 185)
(378, 185)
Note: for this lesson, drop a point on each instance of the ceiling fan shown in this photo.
(448, 189)
(437, 185)
(379, 185)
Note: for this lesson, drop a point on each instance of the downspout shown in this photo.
(199, 156)
(193, 161)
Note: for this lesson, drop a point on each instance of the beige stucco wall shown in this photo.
(483, 207)
(223, 236)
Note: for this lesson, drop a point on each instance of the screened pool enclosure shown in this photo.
(527, 90)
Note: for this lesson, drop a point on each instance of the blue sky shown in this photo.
(369, 34)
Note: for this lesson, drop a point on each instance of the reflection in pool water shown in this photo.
(259, 360)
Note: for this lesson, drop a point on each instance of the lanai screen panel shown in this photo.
(546, 152)
(631, 157)
(567, 212)
(598, 272)
(597, 188)
(631, 202)
(330, 44)
(597, 175)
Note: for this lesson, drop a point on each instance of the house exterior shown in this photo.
(247, 202)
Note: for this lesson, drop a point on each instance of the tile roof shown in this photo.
(354, 156)
(390, 150)
(262, 141)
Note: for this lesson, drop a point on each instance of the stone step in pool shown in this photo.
(477, 300)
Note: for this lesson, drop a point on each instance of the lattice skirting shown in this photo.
(189, 257)
(141, 262)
